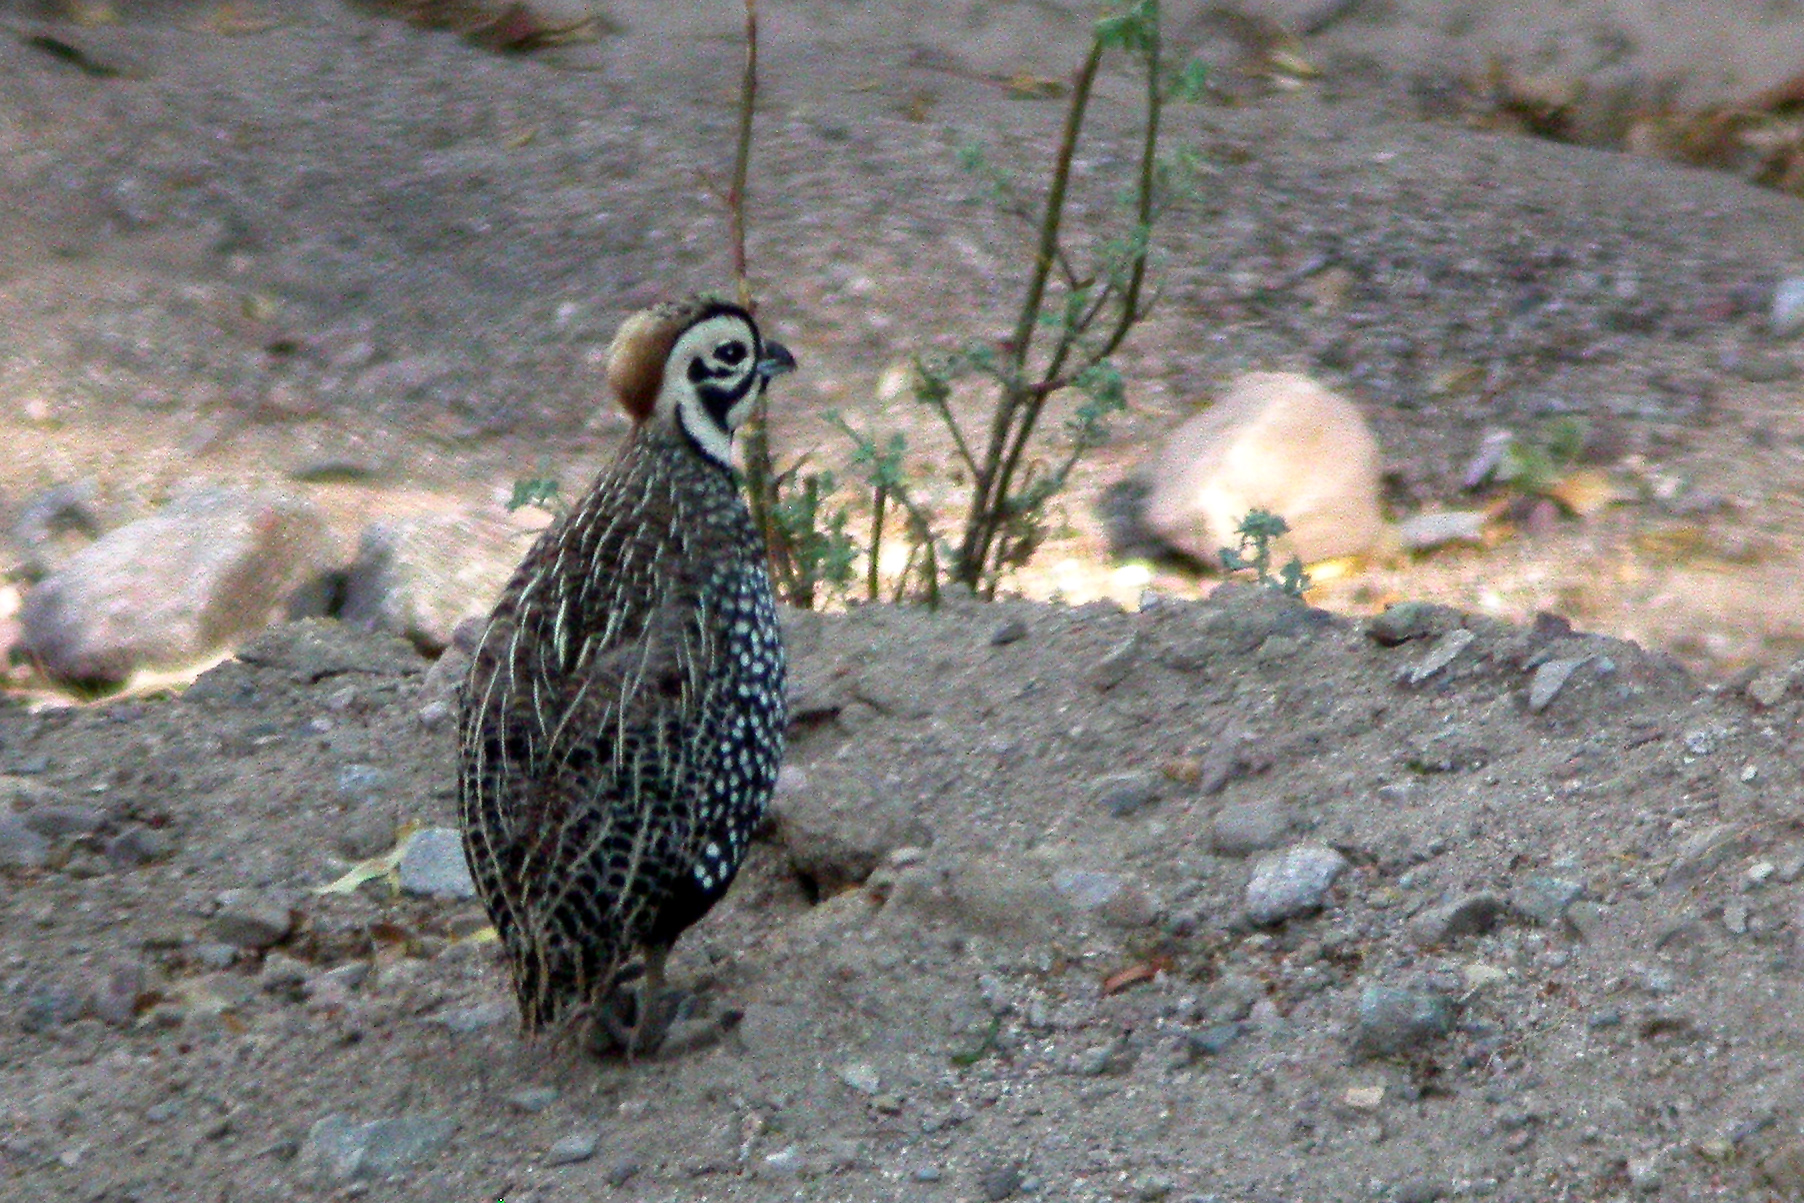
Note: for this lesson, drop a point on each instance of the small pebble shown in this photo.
(50, 1007)
(1408, 620)
(1114, 668)
(1290, 883)
(1440, 654)
(435, 714)
(532, 1099)
(1243, 828)
(464, 1020)
(1785, 317)
(1549, 679)
(861, 1077)
(1425, 532)
(1122, 794)
(20, 846)
(999, 1181)
(338, 1149)
(433, 866)
(252, 919)
(137, 846)
(1213, 1040)
(1010, 631)
(1472, 915)
(61, 822)
(578, 1146)
(1392, 1020)
(361, 782)
(1543, 899)
(115, 1001)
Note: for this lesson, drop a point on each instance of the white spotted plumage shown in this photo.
(623, 718)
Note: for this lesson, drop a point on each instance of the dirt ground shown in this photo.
(998, 942)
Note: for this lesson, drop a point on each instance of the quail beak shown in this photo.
(777, 360)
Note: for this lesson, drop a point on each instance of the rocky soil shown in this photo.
(1225, 899)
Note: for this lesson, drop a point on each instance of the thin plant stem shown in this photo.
(1017, 410)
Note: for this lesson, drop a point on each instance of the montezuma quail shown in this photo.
(623, 718)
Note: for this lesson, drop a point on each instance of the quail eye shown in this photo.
(730, 352)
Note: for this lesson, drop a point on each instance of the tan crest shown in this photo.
(640, 347)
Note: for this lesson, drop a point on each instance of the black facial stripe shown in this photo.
(717, 400)
(700, 371)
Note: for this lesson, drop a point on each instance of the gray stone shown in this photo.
(61, 821)
(283, 975)
(1769, 688)
(418, 577)
(1392, 1020)
(252, 919)
(1472, 915)
(533, 1099)
(566, 1150)
(1115, 666)
(432, 865)
(338, 1149)
(137, 845)
(1277, 442)
(117, 999)
(999, 1181)
(361, 782)
(1243, 828)
(1439, 655)
(1292, 882)
(1213, 1040)
(1121, 794)
(1544, 899)
(1551, 677)
(1225, 760)
(1409, 620)
(1108, 894)
(1417, 1190)
(50, 1007)
(1586, 919)
(20, 846)
(861, 1076)
(170, 589)
(1231, 998)
(1009, 631)
(1425, 532)
(1785, 317)
(1783, 1169)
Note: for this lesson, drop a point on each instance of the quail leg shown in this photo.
(639, 1011)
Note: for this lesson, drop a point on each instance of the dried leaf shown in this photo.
(235, 20)
(385, 866)
(1024, 86)
(1133, 975)
(1585, 492)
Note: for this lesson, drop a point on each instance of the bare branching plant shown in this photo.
(1070, 322)
(811, 555)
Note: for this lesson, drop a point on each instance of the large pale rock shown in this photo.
(171, 589)
(1274, 441)
(419, 577)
